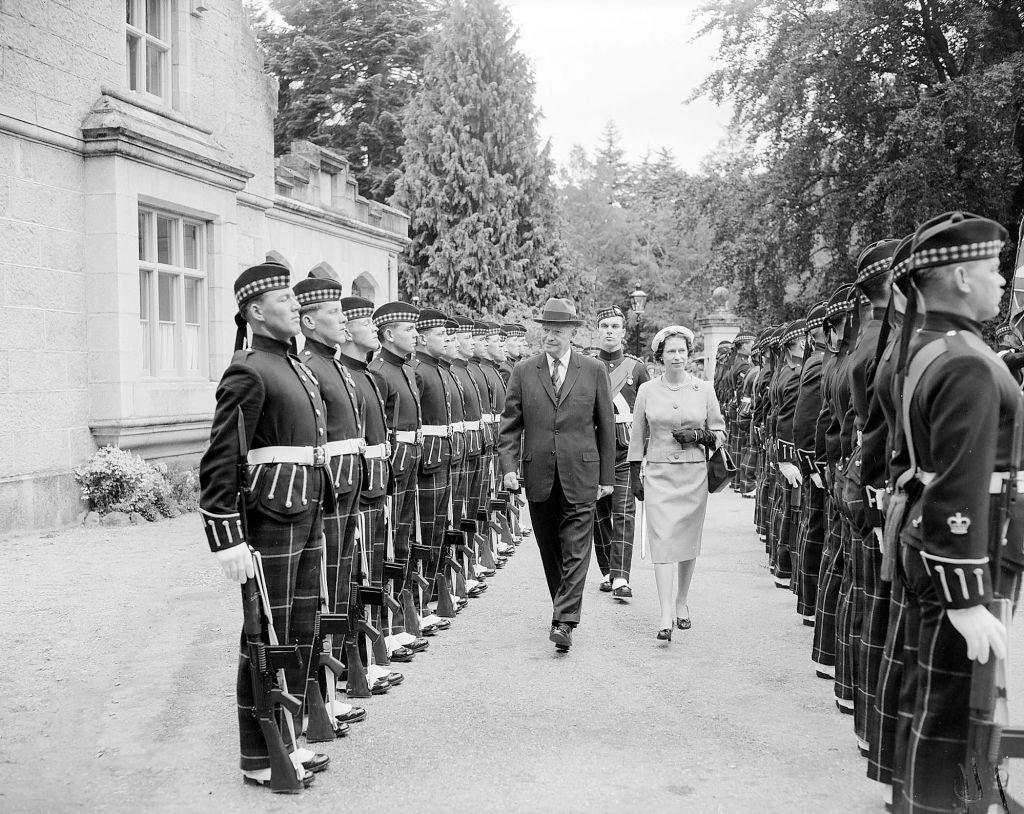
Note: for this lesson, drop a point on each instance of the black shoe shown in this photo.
(842, 709)
(622, 593)
(665, 634)
(605, 587)
(683, 624)
(317, 763)
(380, 686)
(340, 727)
(561, 635)
(307, 780)
(402, 655)
(354, 715)
(808, 622)
(417, 645)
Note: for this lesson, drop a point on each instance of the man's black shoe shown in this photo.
(605, 587)
(416, 645)
(317, 763)
(402, 655)
(623, 592)
(561, 635)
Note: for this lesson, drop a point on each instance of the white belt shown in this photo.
(304, 456)
(623, 418)
(470, 425)
(437, 430)
(995, 481)
(348, 446)
(491, 418)
(458, 426)
(376, 451)
(408, 436)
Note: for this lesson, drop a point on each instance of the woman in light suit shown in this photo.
(676, 419)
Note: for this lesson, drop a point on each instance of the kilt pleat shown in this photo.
(812, 543)
(830, 579)
(340, 540)
(613, 527)
(886, 704)
(434, 492)
(845, 661)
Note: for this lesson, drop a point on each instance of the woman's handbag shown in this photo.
(721, 468)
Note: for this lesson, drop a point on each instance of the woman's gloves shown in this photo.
(705, 438)
(635, 481)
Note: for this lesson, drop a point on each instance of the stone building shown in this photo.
(137, 178)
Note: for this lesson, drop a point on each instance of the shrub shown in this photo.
(117, 480)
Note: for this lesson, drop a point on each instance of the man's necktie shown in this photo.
(556, 375)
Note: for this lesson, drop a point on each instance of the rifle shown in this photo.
(356, 624)
(320, 706)
(265, 660)
(989, 740)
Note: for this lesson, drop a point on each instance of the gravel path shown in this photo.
(117, 693)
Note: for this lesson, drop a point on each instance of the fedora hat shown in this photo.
(559, 311)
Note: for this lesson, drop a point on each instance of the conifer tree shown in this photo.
(475, 181)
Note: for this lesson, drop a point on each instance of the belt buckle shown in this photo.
(319, 456)
(387, 449)
(360, 445)
(419, 436)
(449, 431)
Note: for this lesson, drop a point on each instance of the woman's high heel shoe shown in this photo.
(682, 624)
(665, 635)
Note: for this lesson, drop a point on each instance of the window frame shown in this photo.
(151, 265)
(144, 40)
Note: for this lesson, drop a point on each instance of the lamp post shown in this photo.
(637, 301)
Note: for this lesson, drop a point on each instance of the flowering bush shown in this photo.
(115, 480)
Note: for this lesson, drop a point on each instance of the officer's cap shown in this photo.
(392, 312)
(356, 307)
(430, 318)
(609, 312)
(956, 237)
(256, 280)
(875, 260)
(815, 316)
(315, 290)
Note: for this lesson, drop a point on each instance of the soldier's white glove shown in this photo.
(236, 563)
(981, 631)
(511, 481)
(791, 473)
(816, 480)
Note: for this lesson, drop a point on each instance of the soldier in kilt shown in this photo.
(323, 327)
(613, 522)
(738, 372)
(460, 432)
(963, 405)
(789, 477)
(281, 407)
(392, 373)
(812, 500)
(823, 652)
(434, 477)
(884, 458)
(775, 491)
(873, 283)
(467, 503)
(759, 429)
(747, 463)
(377, 477)
(492, 358)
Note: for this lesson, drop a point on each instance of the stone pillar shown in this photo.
(720, 325)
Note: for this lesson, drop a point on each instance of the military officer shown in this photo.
(613, 523)
(734, 386)
(793, 343)
(488, 432)
(283, 419)
(323, 328)
(963, 406)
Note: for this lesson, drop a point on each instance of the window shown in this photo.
(172, 291)
(148, 44)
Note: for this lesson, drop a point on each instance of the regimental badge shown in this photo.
(629, 379)
(958, 524)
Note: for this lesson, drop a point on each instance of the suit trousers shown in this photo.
(564, 531)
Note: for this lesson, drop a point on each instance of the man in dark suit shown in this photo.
(559, 423)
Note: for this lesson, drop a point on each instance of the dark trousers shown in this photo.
(613, 527)
(291, 564)
(564, 531)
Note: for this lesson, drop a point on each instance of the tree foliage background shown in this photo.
(475, 179)
(860, 119)
(346, 69)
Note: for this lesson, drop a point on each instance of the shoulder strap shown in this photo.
(920, 363)
(619, 375)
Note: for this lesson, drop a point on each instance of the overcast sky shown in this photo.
(633, 61)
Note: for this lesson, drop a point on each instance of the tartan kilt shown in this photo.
(340, 539)
(830, 577)
(474, 484)
(734, 441)
(935, 743)
(874, 625)
(291, 564)
(487, 464)
(886, 700)
(434, 492)
(781, 560)
(748, 467)
(613, 527)
(761, 498)
(460, 485)
(810, 545)
(405, 463)
(775, 515)
(373, 544)
(845, 661)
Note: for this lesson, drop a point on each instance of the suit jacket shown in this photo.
(574, 431)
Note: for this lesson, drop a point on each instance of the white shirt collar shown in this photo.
(563, 360)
